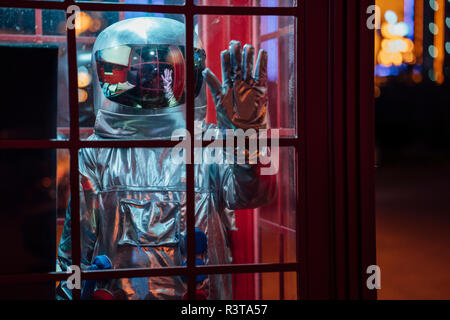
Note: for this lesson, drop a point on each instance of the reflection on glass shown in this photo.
(134, 217)
(132, 207)
(276, 35)
(17, 21)
(266, 234)
(137, 73)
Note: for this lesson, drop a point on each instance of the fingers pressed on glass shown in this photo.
(213, 83)
(226, 67)
(236, 58)
(247, 62)
(261, 68)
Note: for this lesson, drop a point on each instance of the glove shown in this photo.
(241, 99)
(201, 242)
(100, 263)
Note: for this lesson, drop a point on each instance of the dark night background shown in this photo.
(413, 189)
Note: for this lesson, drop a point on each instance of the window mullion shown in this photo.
(73, 147)
(190, 179)
(300, 203)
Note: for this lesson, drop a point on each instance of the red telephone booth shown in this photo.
(316, 239)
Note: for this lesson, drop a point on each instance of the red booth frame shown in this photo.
(335, 225)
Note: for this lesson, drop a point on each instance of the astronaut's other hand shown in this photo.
(167, 80)
(241, 98)
(167, 85)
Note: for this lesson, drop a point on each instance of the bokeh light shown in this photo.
(390, 16)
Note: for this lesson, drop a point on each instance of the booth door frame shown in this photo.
(337, 229)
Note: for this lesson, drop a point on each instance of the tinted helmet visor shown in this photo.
(146, 76)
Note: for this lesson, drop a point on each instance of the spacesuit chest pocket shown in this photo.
(149, 223)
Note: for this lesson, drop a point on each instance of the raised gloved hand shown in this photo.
(241, 99)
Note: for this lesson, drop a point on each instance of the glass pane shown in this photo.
(247, 216)
(132, 207)
(34, 44)
(155, 2)
(259, 286)
(248, 3)
(276, 35)
(33, 196)
(265, 286)
(136, 89)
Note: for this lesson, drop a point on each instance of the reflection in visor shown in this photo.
(151, 76)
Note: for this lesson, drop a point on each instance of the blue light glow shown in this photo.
(408, 8)
(271, 46)
(269, 24)
(269, 3)
(383, 71)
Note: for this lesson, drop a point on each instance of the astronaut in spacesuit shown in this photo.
(133, 200)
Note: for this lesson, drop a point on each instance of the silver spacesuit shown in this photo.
(133, 200)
